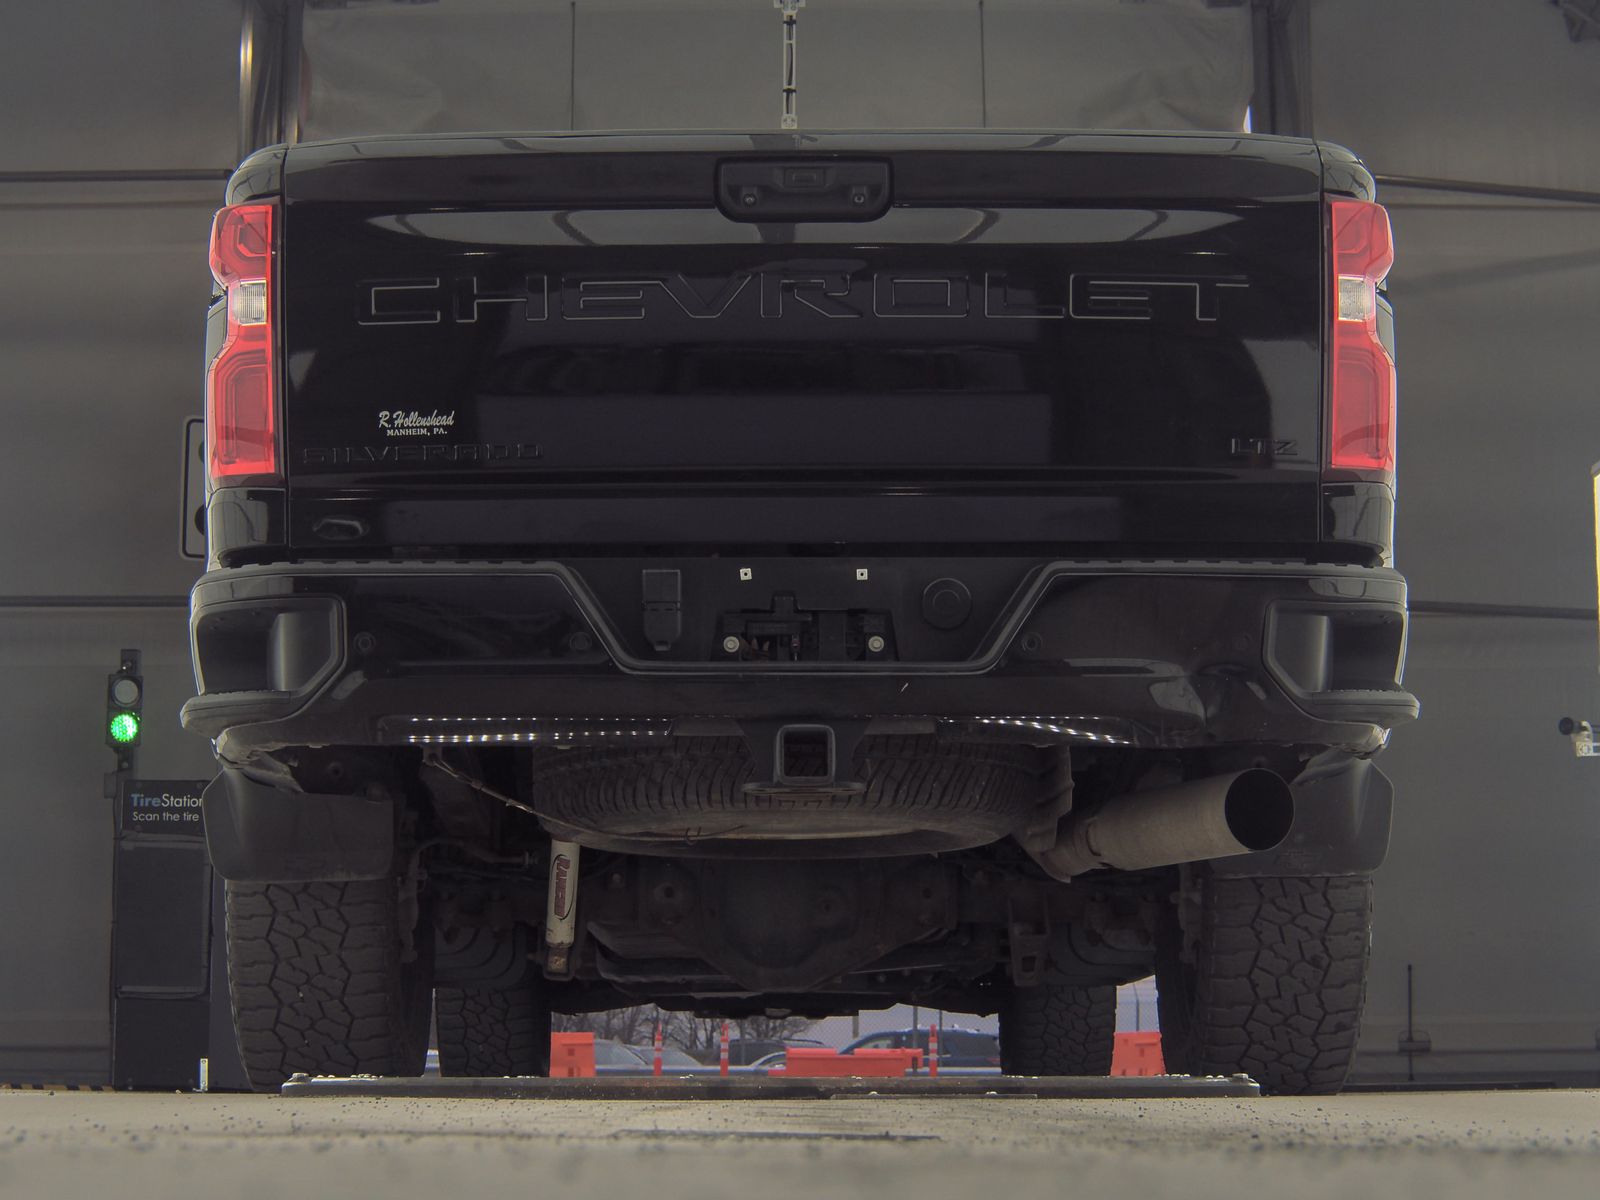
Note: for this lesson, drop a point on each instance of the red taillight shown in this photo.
(1361, 435)
(241, 401)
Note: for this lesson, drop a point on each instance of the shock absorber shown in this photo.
(561, 910)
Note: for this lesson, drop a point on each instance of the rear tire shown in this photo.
(317, 983)
(490, 1032)
(1052, 1029)
(1277, 982)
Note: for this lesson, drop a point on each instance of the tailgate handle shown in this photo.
(803, 189)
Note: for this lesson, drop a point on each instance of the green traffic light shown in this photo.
(125, 727)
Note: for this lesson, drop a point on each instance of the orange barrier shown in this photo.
(1138, 1054)
(806, 1062)
(572, 1056)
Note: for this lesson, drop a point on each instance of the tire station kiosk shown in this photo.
(170, 1024)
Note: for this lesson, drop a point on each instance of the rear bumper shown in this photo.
(1157, 654)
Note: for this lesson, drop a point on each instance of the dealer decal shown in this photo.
(397, 423)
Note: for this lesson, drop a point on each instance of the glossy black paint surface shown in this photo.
(1360, 516)
(1047, 348)
(623, 169)
(729, 517)
(1143, 654)
(1044, 340)
(1344, 173)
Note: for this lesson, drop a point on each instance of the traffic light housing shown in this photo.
(125, 704)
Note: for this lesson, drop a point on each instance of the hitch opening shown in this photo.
(805, 755)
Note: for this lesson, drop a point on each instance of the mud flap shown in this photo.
(261, 834)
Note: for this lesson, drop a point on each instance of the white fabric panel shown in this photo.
(453, 66)
(893, 64)
(1117, 64)
(526, 65)
(698, 64)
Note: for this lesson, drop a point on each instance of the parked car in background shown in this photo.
(613, 1058)
(957, 1047)
(743, 1052)
(674, 1061)
(778, 1059)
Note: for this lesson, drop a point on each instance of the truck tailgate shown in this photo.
(1073, 339)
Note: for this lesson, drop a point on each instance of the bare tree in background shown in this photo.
(699, 1036)
(634, 1026)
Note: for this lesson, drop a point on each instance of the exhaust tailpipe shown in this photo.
(1208, 818)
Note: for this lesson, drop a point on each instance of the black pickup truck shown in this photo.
(799, 573)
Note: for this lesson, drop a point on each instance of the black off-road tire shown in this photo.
(490, 1032)
(1053, 1029)
(922, 795)
(317, 983)
(1277, 982)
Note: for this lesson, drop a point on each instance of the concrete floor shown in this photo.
(1532, 1145)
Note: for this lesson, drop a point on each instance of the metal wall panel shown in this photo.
(1488, 90)
(702, 64)
(92, 85)
(55, 854)
(1494, 305)
(1490, 891)
(102, 334)
(101, 339)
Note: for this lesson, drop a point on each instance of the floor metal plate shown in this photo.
(693, 1087)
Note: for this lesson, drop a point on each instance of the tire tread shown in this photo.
(1280, 986)
(316, 982)
(1054, 1029)
(488, 1032)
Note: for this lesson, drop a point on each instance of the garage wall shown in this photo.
(119, 124)
(55, 855)
(1460, 89)
(1490, 892)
